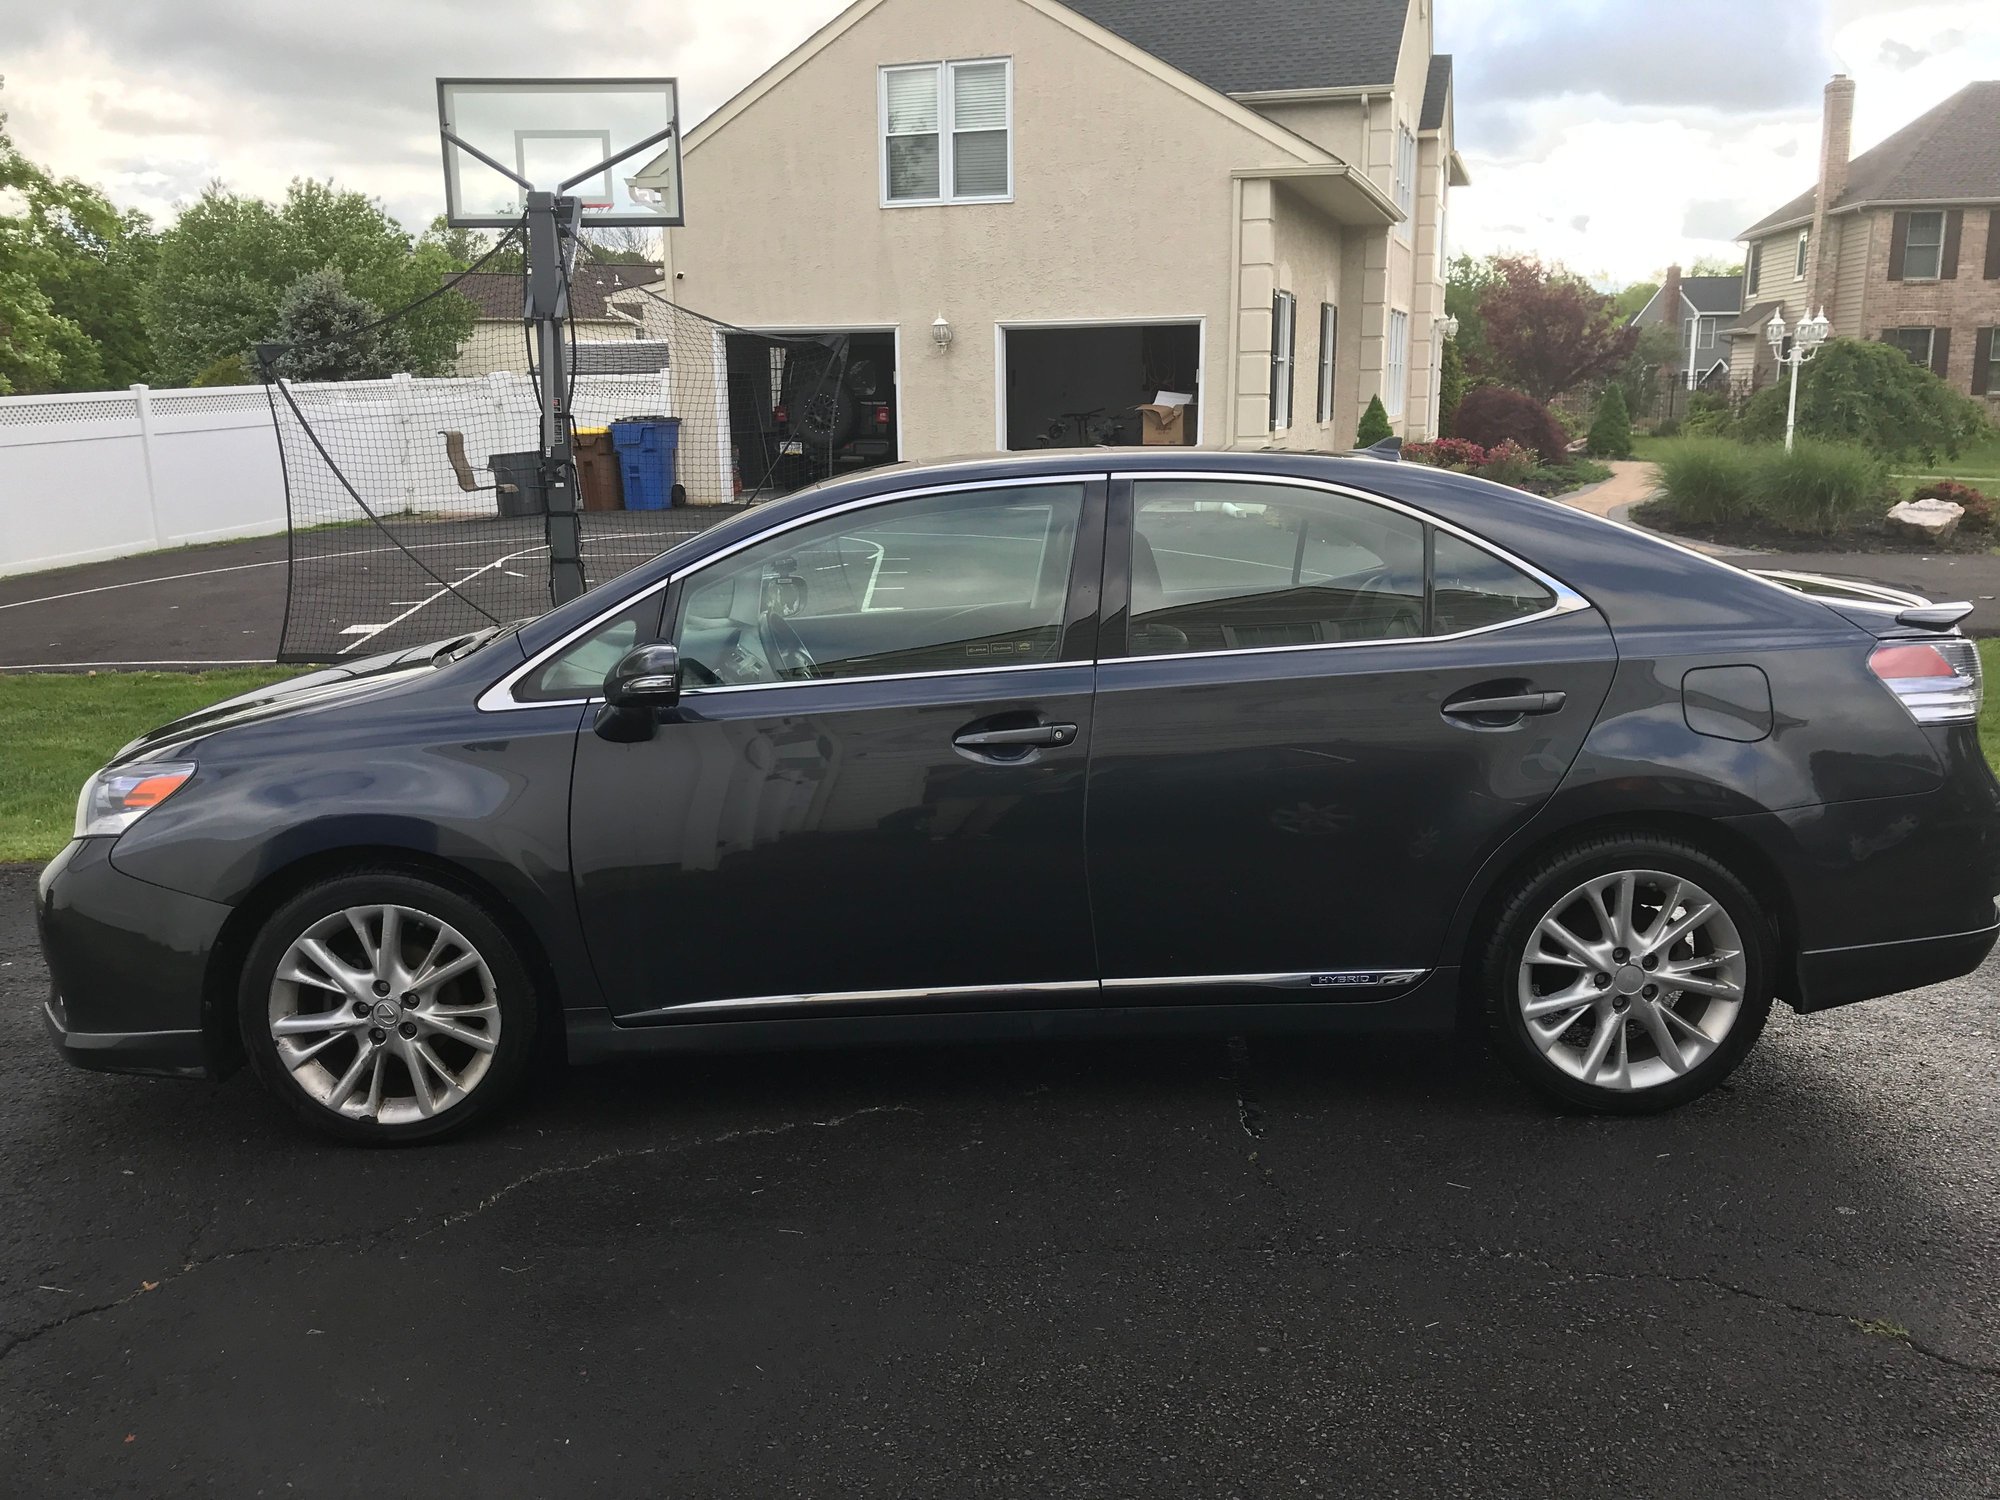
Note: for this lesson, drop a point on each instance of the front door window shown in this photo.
(963, 581)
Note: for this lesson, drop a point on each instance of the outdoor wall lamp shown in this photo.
(1813, 330)
(942, 333)
(1449, 326)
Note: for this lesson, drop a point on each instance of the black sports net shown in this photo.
(416, 504)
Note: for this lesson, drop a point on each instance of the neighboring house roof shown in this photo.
(1714, 296)
(1437, 91)
(1950, 155)
(1263, 46)
(498, 294)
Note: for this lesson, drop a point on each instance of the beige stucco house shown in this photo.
(1900, 244)
(1242, 201)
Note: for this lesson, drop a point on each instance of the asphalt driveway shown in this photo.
(1115, 1269)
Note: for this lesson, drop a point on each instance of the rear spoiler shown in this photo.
(1912, 611)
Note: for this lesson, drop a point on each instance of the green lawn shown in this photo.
(56, 730)
(1648, 448)
(1989, 722)
(1978, 465)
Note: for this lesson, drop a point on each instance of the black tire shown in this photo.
(823, 410)
(515, 1006)
(1532, 896)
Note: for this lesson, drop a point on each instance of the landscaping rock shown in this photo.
(1932, 520)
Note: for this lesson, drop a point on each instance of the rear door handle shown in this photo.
(1036, 736)
(1511, 706)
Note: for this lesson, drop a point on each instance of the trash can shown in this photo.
(597, 473)
(647, 448)
(519, 477)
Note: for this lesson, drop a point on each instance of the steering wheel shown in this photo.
(783, 649)
(1400, 626)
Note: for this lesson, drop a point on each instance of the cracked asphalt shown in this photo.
(1202, 1268)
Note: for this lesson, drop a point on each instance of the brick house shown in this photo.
(1900, 244)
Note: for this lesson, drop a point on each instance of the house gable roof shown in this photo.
(1263, 46)
(1437, 93)
(1713, 296)
(1951, 154)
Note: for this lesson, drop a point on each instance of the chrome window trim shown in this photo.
(1317, 980)
(499, 698)
(1568, 600)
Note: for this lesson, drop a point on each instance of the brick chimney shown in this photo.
(1671, 314)
(1835, 150)
(1836, 140)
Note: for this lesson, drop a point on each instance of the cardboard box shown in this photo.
(1164, 426)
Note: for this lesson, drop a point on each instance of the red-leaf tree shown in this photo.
(1548, 330)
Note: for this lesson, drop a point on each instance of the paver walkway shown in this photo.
(1630, 482)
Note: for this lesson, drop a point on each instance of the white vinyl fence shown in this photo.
(109, 474)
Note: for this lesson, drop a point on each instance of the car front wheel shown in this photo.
(384, 1009)
(1628, 975)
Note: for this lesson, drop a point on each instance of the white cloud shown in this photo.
(1611, 135)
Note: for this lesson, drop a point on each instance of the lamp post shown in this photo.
(1812, 331)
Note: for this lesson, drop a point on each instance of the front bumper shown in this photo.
(127, 964)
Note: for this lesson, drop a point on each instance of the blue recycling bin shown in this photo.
(647, 448)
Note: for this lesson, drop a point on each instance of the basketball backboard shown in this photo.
(614, 143)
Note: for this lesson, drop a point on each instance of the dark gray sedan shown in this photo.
(1140, 742)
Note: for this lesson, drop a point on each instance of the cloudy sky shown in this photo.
(1614, 135)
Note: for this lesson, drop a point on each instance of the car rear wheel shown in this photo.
(1628, 975)
(384, 1009)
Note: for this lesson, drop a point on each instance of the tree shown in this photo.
(1658, 349)
(228, 261)
(1716, 265)
(466, 247)
(1375, 426)
(331, 334)
(1493, 414)
(1632, 300)
(1611, 432)
(1451, 386)
(1875, 395)
(74, 268)
(1466, 283)
(1548, 330)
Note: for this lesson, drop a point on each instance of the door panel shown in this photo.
(1314, 810)
(880, 793)
(832, 837)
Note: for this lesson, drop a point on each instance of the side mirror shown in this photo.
(646, 679)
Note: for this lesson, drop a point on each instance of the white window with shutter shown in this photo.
(1406, 176)
(947, 132)
(1396, 397)
(1284, 350)
(1329, 337)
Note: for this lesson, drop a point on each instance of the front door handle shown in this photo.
(1034, 737)
(1507, 706)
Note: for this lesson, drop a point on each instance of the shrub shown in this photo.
(1978, 507)
(1873, 395)
(1819, 487)
(1611, 432)
(1374, 425)
(1709, 479)
(231, 369)
(1451, 386)
(1509, 463)
(1670, 428)
(1493, 414)
(1447, 453)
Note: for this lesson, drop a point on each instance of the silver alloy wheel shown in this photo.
(384, 1014)
(1632, 979)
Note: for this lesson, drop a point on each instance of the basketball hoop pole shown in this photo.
(553, 224)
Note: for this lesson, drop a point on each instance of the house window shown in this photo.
(1284, 349)
(1395, 399)
(1329, 333)
(1923, 251)
(1406, 171)
(1986, 362)
(1805, 243)
(1918, 343)
(947, 132)
(1753, 270)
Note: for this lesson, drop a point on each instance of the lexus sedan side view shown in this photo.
(1111, 741)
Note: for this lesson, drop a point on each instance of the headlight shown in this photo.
(113, 800)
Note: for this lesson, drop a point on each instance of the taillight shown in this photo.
(1939, 682)
(780, 416)
(881, 416)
